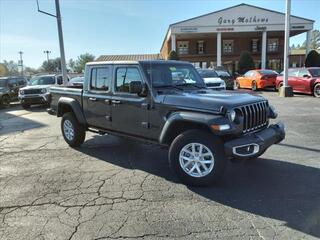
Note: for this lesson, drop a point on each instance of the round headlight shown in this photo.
(43, 90)
(232, 115)
(21, 92)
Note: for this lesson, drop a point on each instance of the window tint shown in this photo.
(100, 79)
(124, 76)
(21, 81)
(315, 72)
(249, 74)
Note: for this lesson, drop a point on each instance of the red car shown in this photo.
(303, 80)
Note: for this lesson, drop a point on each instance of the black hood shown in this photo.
(210, 99)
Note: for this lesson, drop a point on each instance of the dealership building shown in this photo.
(218, 38)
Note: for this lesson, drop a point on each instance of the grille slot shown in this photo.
(32, 91)
(254, 116)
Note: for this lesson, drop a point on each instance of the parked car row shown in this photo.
(34, 91)
(9, 89)
(302, 80)
(217, 79)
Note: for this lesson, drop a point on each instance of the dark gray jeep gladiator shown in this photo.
(168, 103)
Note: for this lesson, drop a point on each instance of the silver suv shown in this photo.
(37, 91)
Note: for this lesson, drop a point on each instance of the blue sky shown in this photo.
(110, 26)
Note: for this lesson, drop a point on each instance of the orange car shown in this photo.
(257, 79)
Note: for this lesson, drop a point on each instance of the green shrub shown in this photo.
(313, 59)
(246, 62)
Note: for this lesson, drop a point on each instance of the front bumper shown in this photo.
(35, 99)
(255, 144)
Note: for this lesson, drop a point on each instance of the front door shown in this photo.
(97, 96)
(129, 111)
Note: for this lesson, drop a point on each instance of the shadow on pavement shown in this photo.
(14, 119)
(270, 188)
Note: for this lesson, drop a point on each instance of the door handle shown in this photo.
(92, 99)
(116, 101)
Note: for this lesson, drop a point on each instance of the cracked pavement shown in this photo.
(112, 188)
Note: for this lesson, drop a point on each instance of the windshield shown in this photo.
(172, 75)
(208, 74)
(77, 79)
(3, 83)
(267, 72)
(46, 80)
(223, 73)
(315, 72)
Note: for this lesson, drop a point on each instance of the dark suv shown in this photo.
(9, 89)
(168, 103)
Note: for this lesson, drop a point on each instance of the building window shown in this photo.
(255, 45)
(183, 47)
(228, 46)
(273, 45)
(201, 47)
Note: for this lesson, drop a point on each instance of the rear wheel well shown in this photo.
(181, 126)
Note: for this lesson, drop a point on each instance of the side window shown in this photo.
(303, 72)
(124, 76)
(12, 82)
(293, 72)
(21, 81)
(59, 80)
(248, 74)
(100, 79)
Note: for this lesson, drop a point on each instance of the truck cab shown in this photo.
(168, 103)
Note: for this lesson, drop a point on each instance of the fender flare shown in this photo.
(204, 119)
(74, 105)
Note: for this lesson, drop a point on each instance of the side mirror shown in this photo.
(306, 76)
(135, 87)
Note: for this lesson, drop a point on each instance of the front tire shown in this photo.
(5, 101)
(73, 132)
(316, 90)
(25, 106)
(197, 157)
(254, 86)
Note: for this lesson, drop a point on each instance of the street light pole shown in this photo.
(62, 55)
(21, 62)
(286, 90)
(47, 52)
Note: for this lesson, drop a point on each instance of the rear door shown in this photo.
(129, 111)
(97, 96)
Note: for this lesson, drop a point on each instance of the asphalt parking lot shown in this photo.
(111, 188)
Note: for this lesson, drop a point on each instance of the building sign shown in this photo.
(242, 20)
(189, 29)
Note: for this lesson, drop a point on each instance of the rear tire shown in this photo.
(197, 157)
(237, 85)
(73, 132)
(279, 86)
(316, 90)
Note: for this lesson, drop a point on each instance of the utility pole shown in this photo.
(62, 55)
(21, 62)
(47, 53)
(286, 90)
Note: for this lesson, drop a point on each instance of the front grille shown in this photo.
(255, 116)
(32, 91)
(213, 84)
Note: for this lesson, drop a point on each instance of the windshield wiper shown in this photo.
(169, 86)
